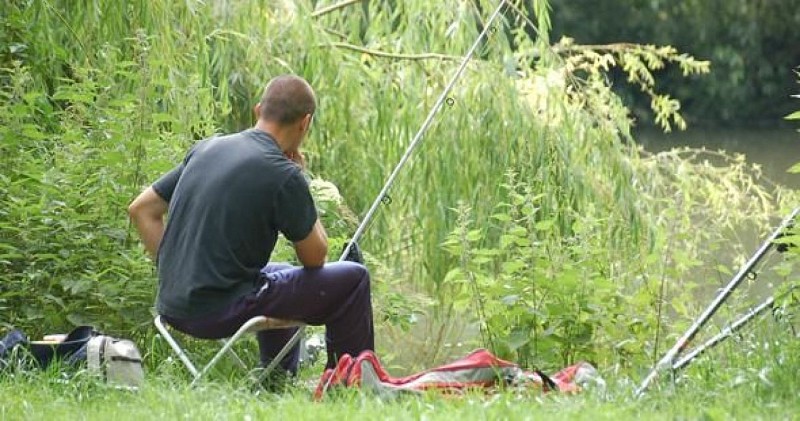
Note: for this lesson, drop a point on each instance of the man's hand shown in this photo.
(297, 157)
(354, 254)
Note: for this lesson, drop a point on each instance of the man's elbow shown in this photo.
(134, 209)
(139, 212)
(312, 257)
(317, 260)
(148, 205)
(312, 251)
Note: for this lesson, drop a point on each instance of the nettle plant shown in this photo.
(536, 297)
(74, 159)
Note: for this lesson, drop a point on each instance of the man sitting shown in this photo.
(227, 201)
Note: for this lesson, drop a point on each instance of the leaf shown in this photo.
(462, 302)
(786, 239)
(679, 306)
(78, 319)
(480, 260)
(33, 313)
(518, 231)
(487, 252)
(76, 286)
(510, 300)
(162, 118)
(793, 116)
(501, 217)
(474, 235)
(453, 276)
(517, 339)
(51, 297)
(512, 266)
(32, 133)
(506, 240)
(79, 97)
(522, 242)
(544, 225)
(47, 256)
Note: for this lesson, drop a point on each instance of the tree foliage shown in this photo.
(753, 47)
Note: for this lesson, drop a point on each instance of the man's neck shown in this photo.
(275, 131)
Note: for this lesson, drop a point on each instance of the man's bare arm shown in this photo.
(147, 213)
(312, 251)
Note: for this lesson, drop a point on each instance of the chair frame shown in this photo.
(255, 324)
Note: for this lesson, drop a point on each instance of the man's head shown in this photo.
(287, 106)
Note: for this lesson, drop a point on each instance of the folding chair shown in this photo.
(255, 324)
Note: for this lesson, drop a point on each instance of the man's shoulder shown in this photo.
(227, 137)
(236, 143)
(263, 155)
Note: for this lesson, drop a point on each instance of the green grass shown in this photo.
(750, 377)
(42, 397)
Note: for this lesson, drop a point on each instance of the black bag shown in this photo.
(70, 351)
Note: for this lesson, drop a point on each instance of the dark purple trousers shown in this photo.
(336, 295)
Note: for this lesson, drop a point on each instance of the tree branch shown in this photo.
(618, 46)
(335, 33)
(524, 17)
(333, 7)
(384, 54)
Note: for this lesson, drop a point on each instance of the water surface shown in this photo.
(776, 150)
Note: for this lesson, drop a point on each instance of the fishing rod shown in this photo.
(728, 331)
(683, 342)
(383, 194)
(418, 137)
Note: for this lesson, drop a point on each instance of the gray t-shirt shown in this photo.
(227, 202)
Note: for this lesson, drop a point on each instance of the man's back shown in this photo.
(221, 231)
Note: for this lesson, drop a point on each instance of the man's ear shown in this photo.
(257, 110)
(307, 122)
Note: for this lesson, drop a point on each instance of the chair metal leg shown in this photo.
(228, 343)
(235, 356)
(286, 348)
(175, 347)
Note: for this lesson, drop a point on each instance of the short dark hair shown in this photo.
(287, 99)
